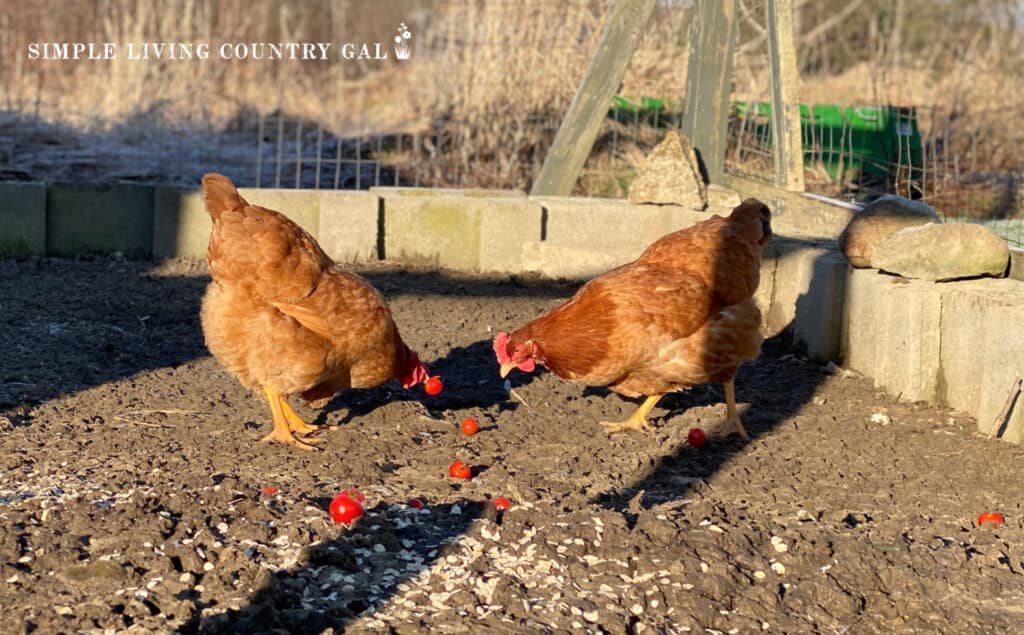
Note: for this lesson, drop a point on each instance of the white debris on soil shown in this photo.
(486, 558)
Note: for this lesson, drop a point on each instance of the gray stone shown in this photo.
(467, 233)
(879, 220)
(386, 192)
(943, 252)
(83, 218)
(97, 573)
(573, 262)
(1016, 264)
(601, 223)
(980, 357)
(22, 219)
(181, 224)
(807, 292)
(301, 206)
(349, 225)
(721, 196)
(670, 176)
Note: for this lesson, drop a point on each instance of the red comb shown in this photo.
(501, 347)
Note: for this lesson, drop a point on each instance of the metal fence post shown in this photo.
(582, 122)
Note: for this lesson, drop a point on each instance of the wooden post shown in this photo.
(589, 107)
(709, 83)
(789, 155)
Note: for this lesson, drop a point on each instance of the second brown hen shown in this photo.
(681, 314)
(283, 319)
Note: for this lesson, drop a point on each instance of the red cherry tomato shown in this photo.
(269, 491)
(990, 517)
(458, 469)
(346, 507)
(415, 503)
(501, 503)
(696, 437)
(470, 426)
(433, 386)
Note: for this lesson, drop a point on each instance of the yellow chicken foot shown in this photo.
(282, 432)
(733, 415)
(637, 421)
(295, 422)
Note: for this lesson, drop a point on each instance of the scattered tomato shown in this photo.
(990, 517)
(696, 437)
(415, 503)
(458, 469)
(470, 426)
(501, 503)
(346, 507)
(433, 385)
(269, 491)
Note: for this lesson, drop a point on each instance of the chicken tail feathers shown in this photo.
(219, 195)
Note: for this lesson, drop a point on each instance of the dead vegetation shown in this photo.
(488, 82)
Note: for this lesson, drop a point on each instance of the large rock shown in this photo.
(670, 176)
(943, 252)
(879, 220)
(721, 196)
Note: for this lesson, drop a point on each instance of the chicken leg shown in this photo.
(295, 422)
(733, 415)
(637, 421)
(285, 422)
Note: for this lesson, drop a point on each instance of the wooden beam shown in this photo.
(789, 155)
(589, 107)
(709, 83)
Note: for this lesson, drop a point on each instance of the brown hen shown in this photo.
(282, 318)
(681, 314)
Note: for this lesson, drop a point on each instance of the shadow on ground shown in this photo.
(355, 569)
(687, 467)
(70, 325)
(75, 325)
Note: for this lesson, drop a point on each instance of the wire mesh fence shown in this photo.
(850, 153)
(959, 154)
(932, 125)
(293, 153)
(860, 153)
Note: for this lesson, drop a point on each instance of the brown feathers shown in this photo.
(278, 314)
(681, 314)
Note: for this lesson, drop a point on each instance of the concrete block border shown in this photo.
(22, 220)
(945, 343)
(82, 219)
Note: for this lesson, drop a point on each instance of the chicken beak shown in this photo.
(506, 368)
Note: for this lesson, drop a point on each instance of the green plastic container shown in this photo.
(649, 110)
(862, 143)
(850, 142)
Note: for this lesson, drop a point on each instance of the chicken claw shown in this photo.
(639, 424)
(285, 421)
(295, 422)
(276, 436)
(637, 421)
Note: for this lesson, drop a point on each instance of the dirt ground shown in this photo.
(132, 486)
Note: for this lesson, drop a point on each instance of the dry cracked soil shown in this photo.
(134, 495)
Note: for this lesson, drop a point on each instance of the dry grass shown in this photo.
(490, 79)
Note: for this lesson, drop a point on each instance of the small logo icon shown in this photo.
(403, 42)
